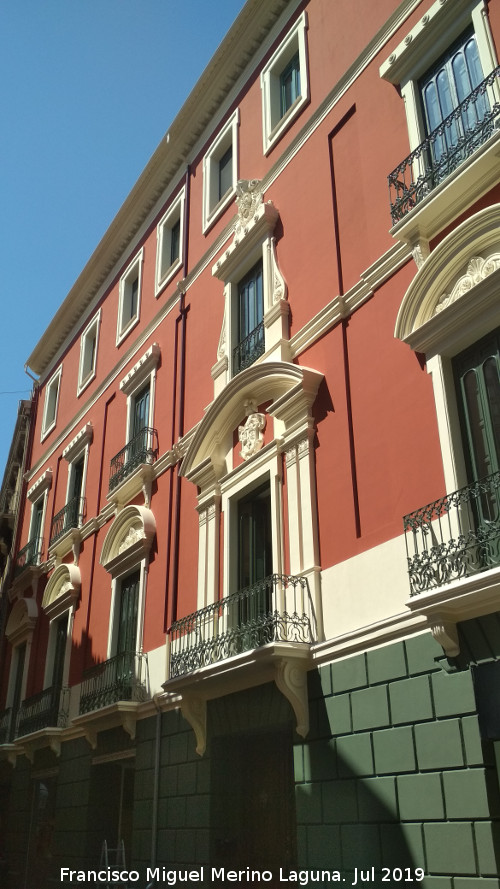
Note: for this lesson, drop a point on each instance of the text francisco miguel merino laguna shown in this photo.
(246, 875)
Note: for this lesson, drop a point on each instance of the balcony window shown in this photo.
(43, 710)
(274, 609)
(444, 69)
(119, 678)
(142, 446)
(453, 138)
(250, 318)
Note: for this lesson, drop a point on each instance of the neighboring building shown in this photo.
(225, 645)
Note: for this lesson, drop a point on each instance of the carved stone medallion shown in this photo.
(250, 435)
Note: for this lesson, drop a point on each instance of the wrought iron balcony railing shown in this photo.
(29, 555)
(70, 516)
(121, 678)
(47, 709)
(7, 722)
(454, 537)
(249, 349)
(142, 448)
(454, 140)
(276, 609)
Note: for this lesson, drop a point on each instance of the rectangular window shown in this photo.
(129, 299)
(220, 166)
(51, 403)
(169, 237)
(88, 353)
(285, 84)
(250, 311)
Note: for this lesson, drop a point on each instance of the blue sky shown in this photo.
(89, 88)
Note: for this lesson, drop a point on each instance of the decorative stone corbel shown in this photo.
(446, 634)
(420, 252)
(91, 736)
(129, 722)
(194, 710)
(291, 680)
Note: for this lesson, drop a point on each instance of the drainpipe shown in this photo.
(178, 387)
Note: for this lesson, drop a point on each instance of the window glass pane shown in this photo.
(226, 172)
(290, 84)
(141, 411)
(175, 237)
(127, 621)
(251, 301)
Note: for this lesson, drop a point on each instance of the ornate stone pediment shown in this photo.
(129, 539)
(477, 270)
(62, 590)
(22, 620)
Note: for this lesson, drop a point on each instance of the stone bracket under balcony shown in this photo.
(121, 713)
(285, 663)
(460, 600)
(9, 752)
(140, 480)
(46, 737)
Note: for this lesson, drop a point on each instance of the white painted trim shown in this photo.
(133, 269)
(48, 424)
(83, 382)
(115, 606)
(273, 125)
(227, 137)
(174, 214)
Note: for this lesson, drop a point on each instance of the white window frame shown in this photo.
(92, 329)
(427, 41)
(51, 647)
(137, 379)
(131, 273)
(273, 123)
(78, 448)
(50, 419)
(116, 586)
(213, 206)
(241, 482)
(232, 297)
(250, 244)
(174, 214)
